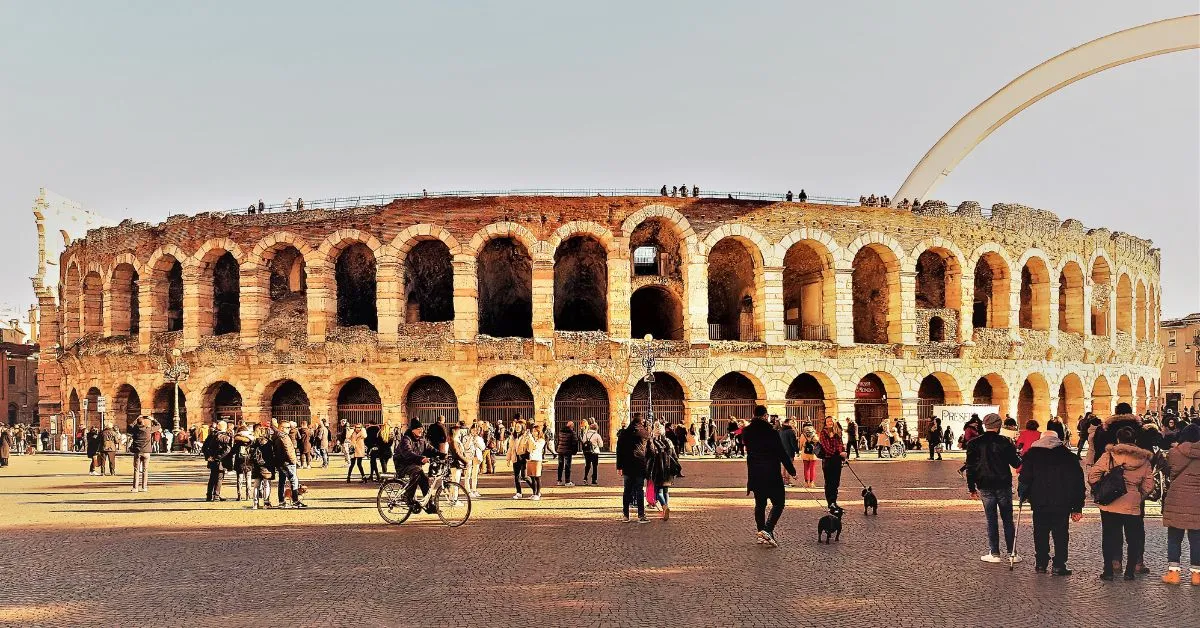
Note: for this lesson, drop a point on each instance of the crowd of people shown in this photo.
(680, 191)
(288, 205)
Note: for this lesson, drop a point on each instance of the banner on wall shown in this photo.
(955, 417)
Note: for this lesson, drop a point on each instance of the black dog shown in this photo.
(870, 502)
(831, 525)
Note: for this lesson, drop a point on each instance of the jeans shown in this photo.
(997, 503)
(564, 461)
(776, 496)
(350, 469)
(852, 443)
(662, 495)
(216, 475)
(287, 475)
(1117, 531)
(591, 461)
(1175, 546)
(141, 473)
(518, 468)
(323, 454)
(262, 490)
(243, 480)
(472, 484)
(832, 470)
(635, 489)
(1045, 524)
(111, 456)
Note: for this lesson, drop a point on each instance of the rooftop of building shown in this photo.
(1183, 321)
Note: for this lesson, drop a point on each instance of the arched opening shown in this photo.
(226, 296)
(1140, 310)
(1142, 401)
(75, 408)
(356, 286)
(1125, 391)
(808, 291)
(654, 247)
(167, 295)
(1124, 305)
(505, 272)
(125, 313)
(504, 398)
(1070, 299)
(581, 285)
(69, 296)
(733, 395)
(223, 402)
(733, 291)
(667, 396)
(806, 400)
(990, 390)
(875, 400)
(937, 329)
(876, 288)
(1102, 401)
(1033, 401)
(655, 310)
(1101, 296)
(289, 402)
(1035, 295)
(429, 283)
(991, 300)
(93, 304)
(1070, 399)
(935, 390)
(164, 407)
(93, 403)
(127, 405)
(287, 293)
(430, 397)
(579, 398)
(358, 403)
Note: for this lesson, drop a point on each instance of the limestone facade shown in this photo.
(787, 304)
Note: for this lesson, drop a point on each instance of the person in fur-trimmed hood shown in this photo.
(1181, 505)
(1105, 435)
(1122, 517)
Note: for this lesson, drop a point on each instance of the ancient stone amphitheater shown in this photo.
(481, 307)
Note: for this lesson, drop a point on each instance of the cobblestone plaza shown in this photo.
(82, 550)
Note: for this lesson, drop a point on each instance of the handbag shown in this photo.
(1111, 486)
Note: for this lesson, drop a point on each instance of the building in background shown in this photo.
(1180, 339)
(18, 375)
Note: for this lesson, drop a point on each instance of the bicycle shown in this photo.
(451, 501)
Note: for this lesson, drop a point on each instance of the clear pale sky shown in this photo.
(142, 109)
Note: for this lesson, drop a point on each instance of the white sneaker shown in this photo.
(760, 537)
(569, 485)
(769, 539)
(991, 558)
(516, 496)
(475, 494)
(536, 498)
(1016, 558)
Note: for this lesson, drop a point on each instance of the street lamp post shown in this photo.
(649, 357)
(176, 370)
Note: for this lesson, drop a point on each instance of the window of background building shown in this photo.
(645, 260)
(1170, 339)
(12, 376)
(1172, 357)
(1174, 377)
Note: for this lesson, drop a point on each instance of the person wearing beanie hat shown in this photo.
(1181, 504)
(412, 454)
(990, 460)
(1051, 480)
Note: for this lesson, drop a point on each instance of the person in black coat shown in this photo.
(1051, 480)
(935, 438)
(93, 450)
(631, 464)
(764, 454)
(216, 447)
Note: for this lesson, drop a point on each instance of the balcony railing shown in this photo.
(808, 332)
(717, 331)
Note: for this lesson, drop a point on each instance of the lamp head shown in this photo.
(648, 337)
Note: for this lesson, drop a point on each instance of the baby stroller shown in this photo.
(726, 448)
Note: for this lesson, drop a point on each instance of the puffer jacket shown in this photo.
(1181, 505)
(1139, 477)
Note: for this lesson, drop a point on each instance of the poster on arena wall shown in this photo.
(957, 416)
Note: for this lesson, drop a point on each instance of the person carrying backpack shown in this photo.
(262, 467)
(1121, 514)
(990, 461)
(215, 449)
(590, 444)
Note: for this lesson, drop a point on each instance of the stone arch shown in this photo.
(991, 389)
(1142, 400)
(667, 397)
(992, 284)
(164, 407)
(504, 396)
(809, 286)
(581, 228)
(425, 258)
(222, 401)
(428, 397)
(501, 230)
(811, 396)
(657, 311)
(124, 309)
(218, 263)
(659, 248)
(1125, 390)
(940, 285)
(1071, 297)
(355, 259)
(734, 394)
(1033, 400)
(358, 402)
(875, 284)
(1102, 397)
(759, 246)
(1034, 312)
(751, 370)
(1070, 399)
(877, 400)
(580, 397)
(736, 290)
(581, 283)
(678, 221)
(1080, 62)
(1100, 278)
(504, 280)
(937, 388)
(1141, 308)
(72, 302)
(279, 266)
(93, 302)
(288, 401)
(127, 404)
(1124, 304)
(165, 273)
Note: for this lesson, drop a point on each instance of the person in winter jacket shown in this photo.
(631, 464)
(6, 444)
(808, 455)
(764, 455)
(93, 451)
(287, 459)
(1105, 434)
(990, 460)
(216, 447)
(1028, 436)
(662, 467)
(835, 454)
(140, 446)
(241, 461)
(568, 446)
(263, 465)
(791, 445)
(934, 438)
(1181, 504)
(356, 448)
(304, 445)
(1123, 516)
(412, 453)
(110, 444)
(1051, 480)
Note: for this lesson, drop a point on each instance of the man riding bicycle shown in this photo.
(412, 454)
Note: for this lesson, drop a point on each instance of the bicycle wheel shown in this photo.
(390, 501)
(897, 450)
(453, 504)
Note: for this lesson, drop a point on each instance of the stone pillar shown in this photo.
(543, 299)
(695, 300)
(620, 289)
(908, 409)
(1054, 322)
(106, 310)
(149, 317)
(193, 317)
(389, 299)
(775, 331)
(322, 303)
(843, 332)
(257, 413)
(466, 302)
(845, 411)
(908, 308)
(966, 310)
(255, 304)
(696, 409)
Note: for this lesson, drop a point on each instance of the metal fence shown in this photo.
(297, 413)
(738, 408)
(801, 410)
(578, 411)
(808, 332)
(493, 411)
(360, 413)
(428, 413)
(666, 410)
(870, 415)
(232, 414)
(349, 202)
(718, 331)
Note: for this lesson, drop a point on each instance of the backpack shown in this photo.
(587, 446)
(809, 449)
(1111, 486)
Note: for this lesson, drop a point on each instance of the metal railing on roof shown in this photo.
(349, 202)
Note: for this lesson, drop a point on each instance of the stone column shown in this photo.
(966, 310)
(193, 317)
(543, 299)
(389, 299)
(775, 332)
(908, 308)
(620, 289)
(255, 304)
(843, 332)
(695, 300)
(148, 316)
(322, 304)
(466, 301)
(908, 409)
(1054, 322)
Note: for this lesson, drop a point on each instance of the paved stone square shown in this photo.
(82, 550)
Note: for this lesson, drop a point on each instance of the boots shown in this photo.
(1195, 578)
(1172, 576)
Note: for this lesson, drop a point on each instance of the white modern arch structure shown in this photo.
(1140, 42)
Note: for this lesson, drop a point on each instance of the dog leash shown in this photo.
(860, 482)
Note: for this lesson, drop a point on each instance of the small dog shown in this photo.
(831, 525)
(870, 502)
